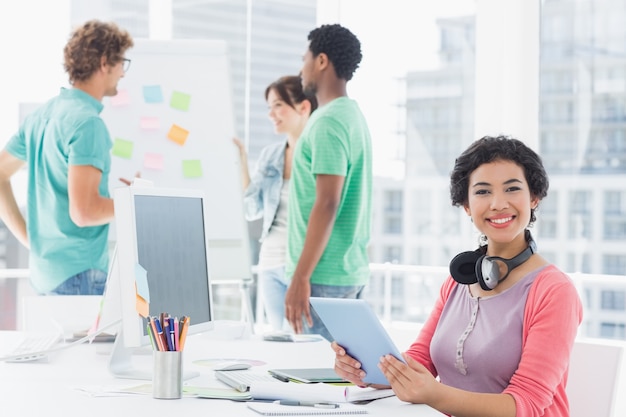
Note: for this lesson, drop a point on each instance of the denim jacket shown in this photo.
(262, 196)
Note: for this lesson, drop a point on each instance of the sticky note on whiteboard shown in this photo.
(149, 123)
(180, 101)
(122, 98)
(122, 148)
(152, 94)
(178, 134)
(153, 160)
(192, 168)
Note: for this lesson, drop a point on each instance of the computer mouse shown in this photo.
(231, 366)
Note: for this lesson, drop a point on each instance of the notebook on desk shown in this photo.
(307, 375)
(272, 409)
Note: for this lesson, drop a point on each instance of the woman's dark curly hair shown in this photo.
(340, 45)
(289, 89)
(89, 43)
(501, 148)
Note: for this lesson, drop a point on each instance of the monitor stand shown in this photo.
(121, 363)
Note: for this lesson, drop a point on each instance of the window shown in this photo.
(579, 227)
(578, 262)
(613, 330)
(393, 225)
(615, 229)
(393, 201)
(613, 300)
(614, 202)
(393, 254)
(614, 264)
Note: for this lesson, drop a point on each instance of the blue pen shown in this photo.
(171, 337)
(166, 334)
(160, 333)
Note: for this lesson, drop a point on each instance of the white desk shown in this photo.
(31, 389)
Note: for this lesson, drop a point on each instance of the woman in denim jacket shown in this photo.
(266, 190)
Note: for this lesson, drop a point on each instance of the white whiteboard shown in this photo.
(183, 86)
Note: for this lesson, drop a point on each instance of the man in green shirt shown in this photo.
(66, 148)
(331, 184)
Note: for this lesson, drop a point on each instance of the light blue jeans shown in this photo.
(273, 285)
(329, 291)
(89, 282)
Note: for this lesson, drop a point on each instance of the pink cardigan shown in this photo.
(552, 315)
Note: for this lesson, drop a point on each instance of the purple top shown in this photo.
(477, 345)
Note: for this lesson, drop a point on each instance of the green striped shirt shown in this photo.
(335, 141)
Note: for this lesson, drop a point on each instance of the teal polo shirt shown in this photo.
(67, 130)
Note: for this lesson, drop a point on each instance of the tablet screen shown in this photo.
(354, 325)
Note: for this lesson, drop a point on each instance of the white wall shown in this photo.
(33, 34)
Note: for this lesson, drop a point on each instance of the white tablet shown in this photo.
(353, 324)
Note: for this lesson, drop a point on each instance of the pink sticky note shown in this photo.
(153, 161)
(121, 99)
(149, 123)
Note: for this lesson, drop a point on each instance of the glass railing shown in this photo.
(398, 293)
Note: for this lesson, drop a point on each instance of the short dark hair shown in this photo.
(289, 89)
(340, 45)
(89, 43)
(500, 148)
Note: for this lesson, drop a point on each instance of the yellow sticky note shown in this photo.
(192, 168)
(122, 148)
(180, 101)
(178, 134)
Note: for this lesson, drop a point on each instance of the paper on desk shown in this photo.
(145, 389)
(111, 391)
(315, 392)
(217, 393)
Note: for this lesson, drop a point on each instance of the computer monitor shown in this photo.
(164, 232)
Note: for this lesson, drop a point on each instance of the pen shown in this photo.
(166, 334)
(171, 335)
(183, 331)
(149, 331)
(152, 324)
(176, 334)
(159, 335)
(306, 404)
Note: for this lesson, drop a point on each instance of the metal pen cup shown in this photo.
(167, 377)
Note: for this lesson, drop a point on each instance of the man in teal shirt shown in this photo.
(330, 194)
(66, 148)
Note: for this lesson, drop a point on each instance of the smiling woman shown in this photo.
(490, 345)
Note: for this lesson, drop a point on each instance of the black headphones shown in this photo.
(470, 267)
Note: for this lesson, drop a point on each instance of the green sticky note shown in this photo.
(180, 101)
(192, 168)
(122, 148)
